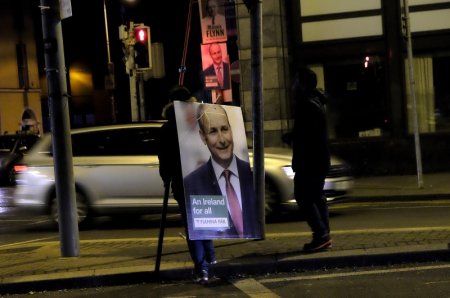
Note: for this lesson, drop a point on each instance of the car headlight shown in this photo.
(288, 171)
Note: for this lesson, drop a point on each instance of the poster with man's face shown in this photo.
(216, 66)
(213, 21)
(218, 181)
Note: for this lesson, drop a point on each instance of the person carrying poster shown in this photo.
(214, 27)
(216, 70)
(201, 251)
(220, 198)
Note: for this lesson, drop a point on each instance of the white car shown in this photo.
(116, 172)
(279, 184)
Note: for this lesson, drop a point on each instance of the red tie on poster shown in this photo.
(219, 76)
(235, 208)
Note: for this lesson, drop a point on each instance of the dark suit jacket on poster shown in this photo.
(210, 71)
(203, 181)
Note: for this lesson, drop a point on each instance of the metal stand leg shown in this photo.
(161, 229)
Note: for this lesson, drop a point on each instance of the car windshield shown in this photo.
(7, 143)
(15, 143)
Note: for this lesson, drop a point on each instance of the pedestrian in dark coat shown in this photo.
(311, 158)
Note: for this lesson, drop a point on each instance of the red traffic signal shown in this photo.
(142, 48)
(141, 34)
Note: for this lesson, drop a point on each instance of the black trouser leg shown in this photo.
(308, 193)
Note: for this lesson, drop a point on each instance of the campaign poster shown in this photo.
(216, 66)
(213, 21)
(218, 181)
(220, 96)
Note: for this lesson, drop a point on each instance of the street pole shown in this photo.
(258, 104)
(106, 31)
(133, 97)
(412, 88)
(132, 73)
(142, 112)
(110, 66)
(59, 115)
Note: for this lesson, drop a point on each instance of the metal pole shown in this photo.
(412, 87)
(258, 105)
(59, 115)
(133, 97)
(132, 67)
(106, 31)
(111, 92)
(162, 228)
(142, 114)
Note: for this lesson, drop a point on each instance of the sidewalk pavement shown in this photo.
(37, 265)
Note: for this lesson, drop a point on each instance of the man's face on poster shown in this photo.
(212, 8)
(216, 134)
(216, 53)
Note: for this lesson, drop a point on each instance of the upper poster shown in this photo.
(216, 66)
(212, 17)
(218, 181)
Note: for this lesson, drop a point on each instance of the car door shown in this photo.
(119, 167)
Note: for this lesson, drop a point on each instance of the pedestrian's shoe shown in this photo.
(317, 245)
(201, 277)
(204, 277)
(211, 259)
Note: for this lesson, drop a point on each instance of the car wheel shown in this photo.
(271, 199)
(82, 209)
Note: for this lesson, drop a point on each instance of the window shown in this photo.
(116, 142)
(441, 75)
(7, 143)
(357, 98)
(15, 143)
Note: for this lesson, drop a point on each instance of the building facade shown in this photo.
(358, 50)
(20, 92)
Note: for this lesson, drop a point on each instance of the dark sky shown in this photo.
(85, 43)
(84, 40)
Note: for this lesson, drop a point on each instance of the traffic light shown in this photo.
(142, 48)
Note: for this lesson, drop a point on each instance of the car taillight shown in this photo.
(20, 168)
